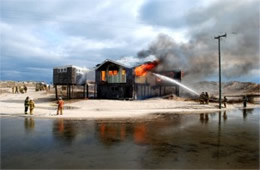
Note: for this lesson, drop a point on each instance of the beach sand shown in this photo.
(46, 107)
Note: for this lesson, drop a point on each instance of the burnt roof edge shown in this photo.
(108, 60)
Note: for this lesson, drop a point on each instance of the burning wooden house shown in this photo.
(147, 84)
(72, 79)
(116, 81)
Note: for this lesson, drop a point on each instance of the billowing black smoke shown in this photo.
(199, 57)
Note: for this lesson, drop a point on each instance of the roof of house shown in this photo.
(108, 60)
(67, 66)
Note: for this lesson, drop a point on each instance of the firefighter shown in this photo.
(16, 89)
(207, 98)
(225, 101)
(21, 89)
(26, 104)
(25, 88)
(245, 100)
(32, 106)
(60, 103)
(202, 98)
(45, 87)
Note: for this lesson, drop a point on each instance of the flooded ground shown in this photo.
(217, 140)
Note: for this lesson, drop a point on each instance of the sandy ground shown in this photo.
(13, 105)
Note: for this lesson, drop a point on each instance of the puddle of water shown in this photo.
(228, 140)
(55, 107)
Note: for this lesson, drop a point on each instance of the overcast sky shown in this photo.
(37, 35)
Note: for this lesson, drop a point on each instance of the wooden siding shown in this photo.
(113, 87)
(69, 77)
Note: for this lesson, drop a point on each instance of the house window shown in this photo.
(123, 76)
(103, 75)
(114, 72)
(62, 70)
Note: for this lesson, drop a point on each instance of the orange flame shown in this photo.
(142, 69)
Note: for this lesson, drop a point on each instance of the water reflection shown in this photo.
(64, 130)
(225, 115)
(111, 133)
(204, 118)
(140, 133)
(219, 136)
(172, 140)
(29, 124)
(246, 112)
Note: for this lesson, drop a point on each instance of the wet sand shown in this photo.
(13, 105)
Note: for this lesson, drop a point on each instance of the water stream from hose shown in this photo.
(168, 79)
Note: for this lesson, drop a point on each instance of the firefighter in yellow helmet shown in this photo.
(32, 106)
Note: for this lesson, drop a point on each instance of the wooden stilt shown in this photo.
(95, 95)
(145, 94)
(142, 90)
(177, 91)
(67, 91)
(56, 92)
(84, 91)
(72, 93)
(87, 90)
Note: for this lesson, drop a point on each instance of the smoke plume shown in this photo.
(199, 57)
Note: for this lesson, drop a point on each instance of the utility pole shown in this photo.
(219, 60)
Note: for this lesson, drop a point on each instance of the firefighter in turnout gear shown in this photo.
(225, 101)
(26, 104)
(25, 88)
(16, 89)
(32, 106)
(245, 100)
(60, 106)
(207, 98)
(202, 98)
